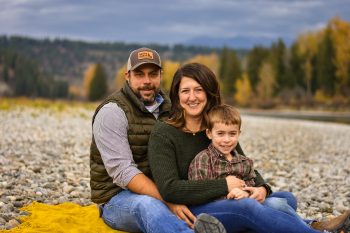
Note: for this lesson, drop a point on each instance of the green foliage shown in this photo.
(24, 78)
(278, 62)
(5, 73)
(255, 59)
(98, 84)
(67, 59)
(230, 70)
(325, 66)
(294, 71)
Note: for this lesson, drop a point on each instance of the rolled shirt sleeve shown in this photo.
(110, 133)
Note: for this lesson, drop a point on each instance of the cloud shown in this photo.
(166, 21)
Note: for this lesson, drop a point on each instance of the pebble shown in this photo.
(12, 223)
(44, 156)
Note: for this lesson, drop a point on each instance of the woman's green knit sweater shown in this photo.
(170, 152)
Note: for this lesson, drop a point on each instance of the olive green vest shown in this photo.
(140, 122)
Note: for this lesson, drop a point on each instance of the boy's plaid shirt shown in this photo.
(211, 164)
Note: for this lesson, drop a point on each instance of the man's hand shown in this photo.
(234, 182)
(182, 212)
(237, 194)
(141, 184)
(258, 193)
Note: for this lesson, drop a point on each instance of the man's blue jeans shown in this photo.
(275, 216)
(131, 212)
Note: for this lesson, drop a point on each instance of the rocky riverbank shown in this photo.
(44, 157)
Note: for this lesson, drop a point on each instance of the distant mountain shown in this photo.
(239, 42)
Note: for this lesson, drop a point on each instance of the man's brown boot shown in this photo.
(340, 224)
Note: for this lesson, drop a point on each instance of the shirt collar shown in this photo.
(217, 153)
(159, 100)
(236, 157)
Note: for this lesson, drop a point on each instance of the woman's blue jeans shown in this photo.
(275, 216)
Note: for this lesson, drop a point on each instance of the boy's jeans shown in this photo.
(285, 202)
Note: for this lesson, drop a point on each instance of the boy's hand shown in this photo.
(257, 193)
(234, 182)
(237, 194)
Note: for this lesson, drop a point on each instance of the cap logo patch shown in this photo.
(144, 55)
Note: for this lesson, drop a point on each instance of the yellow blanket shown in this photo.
(66, 218)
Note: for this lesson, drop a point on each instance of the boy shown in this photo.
(220, 159)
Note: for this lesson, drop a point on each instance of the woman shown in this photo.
(173, 145)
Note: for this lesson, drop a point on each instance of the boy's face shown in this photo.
(224, 137)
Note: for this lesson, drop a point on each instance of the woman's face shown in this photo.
(192, 97)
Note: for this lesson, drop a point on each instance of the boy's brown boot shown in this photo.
(340, 224)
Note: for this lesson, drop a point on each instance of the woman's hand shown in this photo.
(258, 193)
(237, 194)
(182, 213)
(234, 182)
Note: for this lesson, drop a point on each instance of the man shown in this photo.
(121, 181)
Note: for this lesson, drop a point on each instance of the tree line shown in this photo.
(315, 69)
(21, 76)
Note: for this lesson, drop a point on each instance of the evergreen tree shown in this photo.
(5, 73)
(26, 77)
(230, 70)
(61, 89)
(295, 74)
(255, 59)
(98, 85)
(278, 58)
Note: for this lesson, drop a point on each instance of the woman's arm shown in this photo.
(163, 162)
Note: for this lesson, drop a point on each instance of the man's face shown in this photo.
(145, 82)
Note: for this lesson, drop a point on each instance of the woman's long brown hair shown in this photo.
(206, 78)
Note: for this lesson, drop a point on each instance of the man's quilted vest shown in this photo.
(141, 122)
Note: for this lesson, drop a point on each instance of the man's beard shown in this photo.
(147, 100)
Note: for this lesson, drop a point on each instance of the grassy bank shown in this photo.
(57, 105)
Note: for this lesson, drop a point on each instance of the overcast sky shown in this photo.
(166, 21)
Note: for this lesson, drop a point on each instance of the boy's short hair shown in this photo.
(225, 114)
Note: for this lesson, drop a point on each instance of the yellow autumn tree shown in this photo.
(169, 69)
(88, 75)
(211, 60)
(267, 82)
(120, 77)
(244, 91)
(307, 48)
(75, 92)
(340, 34)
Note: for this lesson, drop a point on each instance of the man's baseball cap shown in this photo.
(143, 56)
